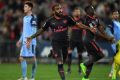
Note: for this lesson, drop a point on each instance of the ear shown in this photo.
(53, 11)
(30, 8)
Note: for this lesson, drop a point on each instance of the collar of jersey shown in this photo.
(92, 17)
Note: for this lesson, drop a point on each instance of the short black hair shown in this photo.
(76, 8)
(87, 8)
(29, 3)
(114, 10)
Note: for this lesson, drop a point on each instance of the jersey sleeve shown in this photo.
(46, 25)
(71, 22)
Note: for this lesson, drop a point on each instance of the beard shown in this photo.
(59, 14)
(76, 16)
(92, 13)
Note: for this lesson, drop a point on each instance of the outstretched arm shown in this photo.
(104, 35)
(29, 39)
(82, 26)
(39, 32)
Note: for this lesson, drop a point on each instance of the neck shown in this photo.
(76, 17)
(29, 13)
(91, 16)
(116, 19)
(57, 17)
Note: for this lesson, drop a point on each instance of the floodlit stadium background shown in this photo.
(11, 14)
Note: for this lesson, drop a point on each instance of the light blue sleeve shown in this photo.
(108, 32)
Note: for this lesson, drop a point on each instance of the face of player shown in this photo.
(90, 11)
(58, 11)
(76, 13)
(115, 15)
(27, 9)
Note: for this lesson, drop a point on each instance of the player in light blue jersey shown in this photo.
(116, 28)
(115, 31)
(29, 28)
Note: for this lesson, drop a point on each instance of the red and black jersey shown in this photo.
(76, 32)
(59, 27)
(91, 22)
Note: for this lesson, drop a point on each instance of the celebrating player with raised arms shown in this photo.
(59, 25)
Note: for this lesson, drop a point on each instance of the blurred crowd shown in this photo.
(11, 15)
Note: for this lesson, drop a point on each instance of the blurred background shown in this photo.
(11, 14)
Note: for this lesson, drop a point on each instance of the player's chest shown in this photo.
(27, 20)
(62, 23)
(92, 22)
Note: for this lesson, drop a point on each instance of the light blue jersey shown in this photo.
(116, 29)
(29, 28)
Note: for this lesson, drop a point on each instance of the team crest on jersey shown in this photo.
(34, 22)
(65, 21)
(53, 23)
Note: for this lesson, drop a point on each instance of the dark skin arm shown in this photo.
(104, 35)
(82, 26)
(39, 32)
(100, 28)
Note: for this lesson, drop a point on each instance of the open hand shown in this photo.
(28, 42)
(111, 39)
(94, 30)
(18, 44)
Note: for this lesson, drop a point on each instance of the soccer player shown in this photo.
(75, 40)
(59, 24)
(29, 28)
(114, 31)
(116, 45)
(94, 51)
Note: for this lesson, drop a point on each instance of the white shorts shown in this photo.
(28, 52)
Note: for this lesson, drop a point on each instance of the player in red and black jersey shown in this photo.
(75, 40)
(88, 37)
(59, 25)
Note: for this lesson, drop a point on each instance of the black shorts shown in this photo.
(77, 44)
(60, 49)
(94, 50)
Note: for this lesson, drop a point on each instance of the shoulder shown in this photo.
(67, 16)
(34, 16)
(24, 17)
(50, 19)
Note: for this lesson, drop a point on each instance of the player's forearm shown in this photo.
(104, 36)
(80, 25)
(39, 32)
(102, 33)
(69, 33)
